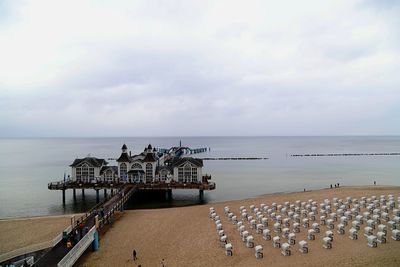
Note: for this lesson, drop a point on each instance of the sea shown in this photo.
(28, 165)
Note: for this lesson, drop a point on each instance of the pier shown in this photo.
(346, 154)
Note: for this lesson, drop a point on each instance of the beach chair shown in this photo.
(241, 208)
(322, 220)
(286, 222)
(285, 232)
(348, 215)
(276, 242)
(228, 249)
(260, 228)
(234, 220)
(355, 225)
(367, 231)
(285, 249)
(366, 215)
(371, 223)
(296, 228)
(376, 218)
(213, 215)
(381, 237)
(340, 229)
(316, 228)
(326, 243)
(217, 218)
(292, 238)
(385, 216)
(259, 254)
(241, 230)
(360, 218)
(306, 223)
(223, 240)
(396, 235)
(277, 228)
(344, 220)
(266, 234)
(296, 218)
(311, 234)
(376, 212)
(329, 234)
(226, 210)
(217, 222)
(279, 219)
(340, 212)
(221, 233)
(230, 215)
(333, 216)
(392, 225)
(219, 227)
(396, 219)
(353, 234)
(249, 218)
(291, 214)
(262, 205)
(264, 221)
(274, 206)
(382, 228)
(311, 216)
(372, 241)
(303, 246)
(252, 207)
(329, 224)
(244, 215)
(245, 234)
(253, 224)
(239, 223)
(250, 241)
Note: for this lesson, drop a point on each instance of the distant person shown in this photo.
(331, 186)
(134, 255)
(374, 182)
(162, 263)
(338, 185)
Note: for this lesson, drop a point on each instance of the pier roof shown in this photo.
(92, 161)
(181, 161)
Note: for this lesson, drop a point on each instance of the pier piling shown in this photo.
(74, 194)
(201, 194)
(83, 193)
(63, 196)
(97, 196)
(169, 194)
(105, 193)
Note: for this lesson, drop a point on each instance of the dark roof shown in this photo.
(124, 147)
(123, 158)
(92, 161)
(180, 161)
(149, 146)
(113, 168)
(149, 158)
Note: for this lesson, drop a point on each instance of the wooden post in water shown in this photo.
(169, 194)
(105, 192)
(74, 194)
(201, 194)
(97, 196)
(63, 196)
(112, 192)
(83, 193)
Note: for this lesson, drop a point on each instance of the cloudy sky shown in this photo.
(168, 68)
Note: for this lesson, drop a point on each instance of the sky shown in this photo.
(199, 68)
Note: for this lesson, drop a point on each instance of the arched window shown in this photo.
(149, 172)
(122, 170)
(136, 166)
(109, 174)
(163, 174)
(187, 172)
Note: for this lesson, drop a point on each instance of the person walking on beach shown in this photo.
(134, 255)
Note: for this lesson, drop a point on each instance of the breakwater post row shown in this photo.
(234, 158)
(346, 154)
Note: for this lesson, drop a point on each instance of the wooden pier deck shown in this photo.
(60, 250)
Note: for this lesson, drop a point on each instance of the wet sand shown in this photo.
(187, 237)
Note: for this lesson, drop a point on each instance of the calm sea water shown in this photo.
(27, 165)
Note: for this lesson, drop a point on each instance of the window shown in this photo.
(194, 174)
(91, 173)
(180, 174)
(122, 170)
(187, 172)
(109, 175)
(149, 172)
(78, 173)
(85, 172)
(136, 166)
(164, 174)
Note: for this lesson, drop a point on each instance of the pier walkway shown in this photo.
(115, 202)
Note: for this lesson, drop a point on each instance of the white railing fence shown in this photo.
(35, 247)
(74, 254)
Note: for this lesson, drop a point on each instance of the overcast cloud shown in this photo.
(162, 68)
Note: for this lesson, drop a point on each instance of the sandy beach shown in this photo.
(22, 232)
(187, 237)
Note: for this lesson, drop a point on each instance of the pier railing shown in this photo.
(74, 254)
(35, 247)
